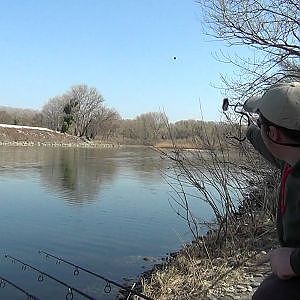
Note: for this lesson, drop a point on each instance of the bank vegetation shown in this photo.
(227, 257)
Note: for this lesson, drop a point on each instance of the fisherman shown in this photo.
(277, 138)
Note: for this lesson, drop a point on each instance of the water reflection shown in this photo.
(78, 174)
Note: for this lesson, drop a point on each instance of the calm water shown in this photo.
(105, 210)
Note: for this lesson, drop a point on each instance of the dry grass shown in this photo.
(203, 269)
(195, 282)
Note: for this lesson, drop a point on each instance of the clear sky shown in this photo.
(124, 48)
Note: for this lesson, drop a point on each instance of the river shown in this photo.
(104, 209)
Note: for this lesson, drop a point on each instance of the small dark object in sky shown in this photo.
(174, 57)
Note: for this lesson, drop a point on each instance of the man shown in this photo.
(277, 138)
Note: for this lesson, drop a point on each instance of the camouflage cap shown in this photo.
(280, 104)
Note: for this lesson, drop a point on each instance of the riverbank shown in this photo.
(13, 135)
(206, 269)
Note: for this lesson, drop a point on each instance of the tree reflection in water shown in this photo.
(79, 174)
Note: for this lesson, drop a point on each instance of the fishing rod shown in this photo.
(108, 281)
(4, 281)
(69, 295)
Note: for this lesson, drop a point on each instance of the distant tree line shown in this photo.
(18, 116)
(81, 112)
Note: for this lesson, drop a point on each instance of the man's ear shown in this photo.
(275, 134)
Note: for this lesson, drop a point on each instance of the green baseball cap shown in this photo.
(280, 104)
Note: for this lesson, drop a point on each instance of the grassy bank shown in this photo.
(230, 267)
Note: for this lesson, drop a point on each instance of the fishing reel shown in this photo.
(240, 109)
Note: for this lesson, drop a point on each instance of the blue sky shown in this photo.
(124, 48)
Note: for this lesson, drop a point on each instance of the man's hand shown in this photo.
(280, 262)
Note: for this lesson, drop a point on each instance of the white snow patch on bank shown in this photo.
(27, 127)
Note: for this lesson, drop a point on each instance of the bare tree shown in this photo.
(53, 112)
(104, 124)
(5, 117)
(80, 111)
(89, 104)
(269, 29)
(128, 130)
(149, 126)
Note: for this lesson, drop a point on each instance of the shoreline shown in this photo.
(25, 136)
(59, 144)
(199, 270)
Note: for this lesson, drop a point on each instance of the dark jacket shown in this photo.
(288, 213)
